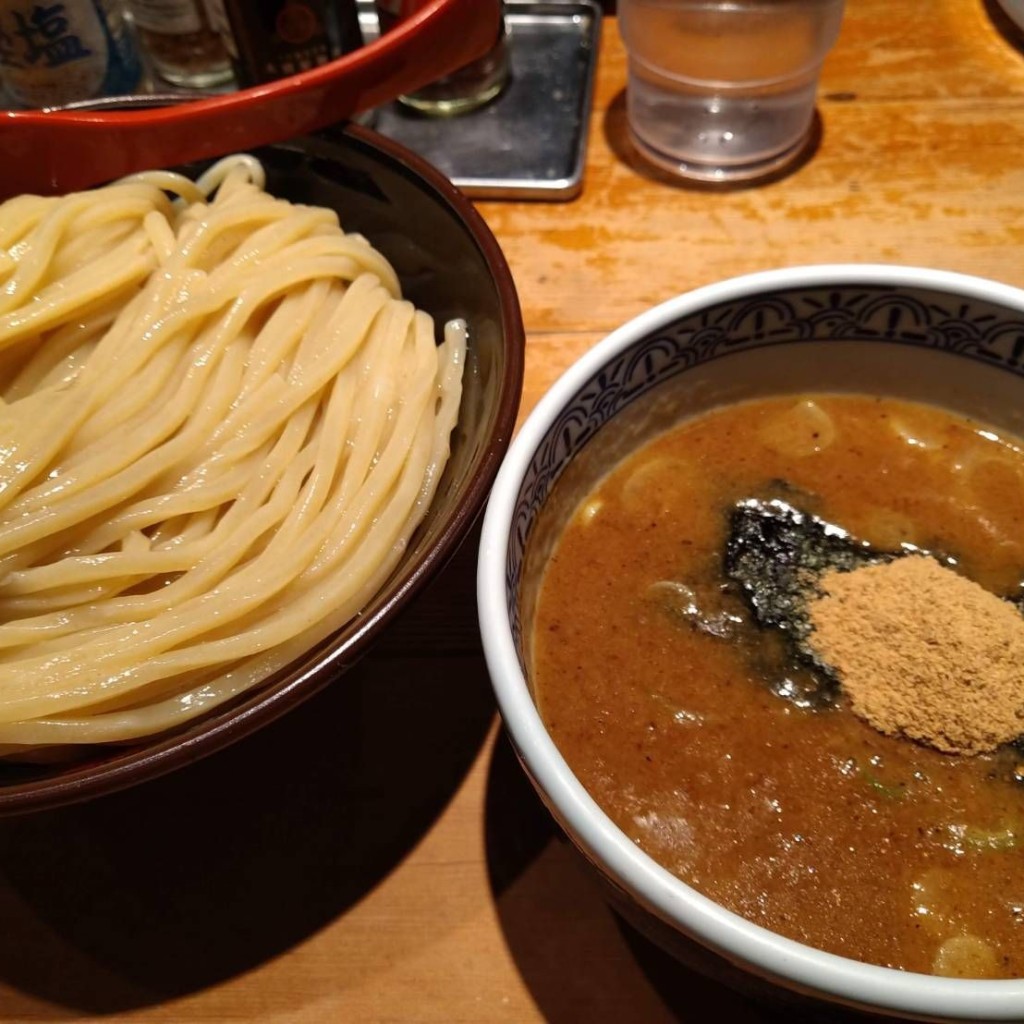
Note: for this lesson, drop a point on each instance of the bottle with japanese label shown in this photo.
(269, 39)
(56, 53)
(181, 43)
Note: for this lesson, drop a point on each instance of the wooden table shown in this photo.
(376, 856)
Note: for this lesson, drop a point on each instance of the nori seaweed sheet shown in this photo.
(777, 553)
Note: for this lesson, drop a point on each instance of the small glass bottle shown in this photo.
(463, 90)
(61, 53)
(182, 46)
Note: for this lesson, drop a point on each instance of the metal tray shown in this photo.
(530, 142)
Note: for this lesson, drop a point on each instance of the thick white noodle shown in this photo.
(220, 425)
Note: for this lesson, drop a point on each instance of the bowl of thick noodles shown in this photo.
(751, 591)
(249, 408)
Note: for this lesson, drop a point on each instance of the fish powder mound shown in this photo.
(923, 652)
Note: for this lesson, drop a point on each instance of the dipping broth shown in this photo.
(670, 704)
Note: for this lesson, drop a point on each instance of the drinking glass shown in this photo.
(724, 90)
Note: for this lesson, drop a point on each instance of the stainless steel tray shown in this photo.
(530, 142)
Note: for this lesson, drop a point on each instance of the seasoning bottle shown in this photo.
(52, 54)
(269, 39)
(182, 46)
(463, 90)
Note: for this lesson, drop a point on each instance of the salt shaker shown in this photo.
(52, 54)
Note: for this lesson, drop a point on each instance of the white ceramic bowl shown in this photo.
(950, 339)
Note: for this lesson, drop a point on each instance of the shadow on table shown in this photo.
(616, 133)
(579, 959)
(196, 877)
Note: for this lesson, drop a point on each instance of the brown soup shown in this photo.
(804, 819)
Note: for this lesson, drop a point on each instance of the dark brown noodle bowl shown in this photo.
(450, 266)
